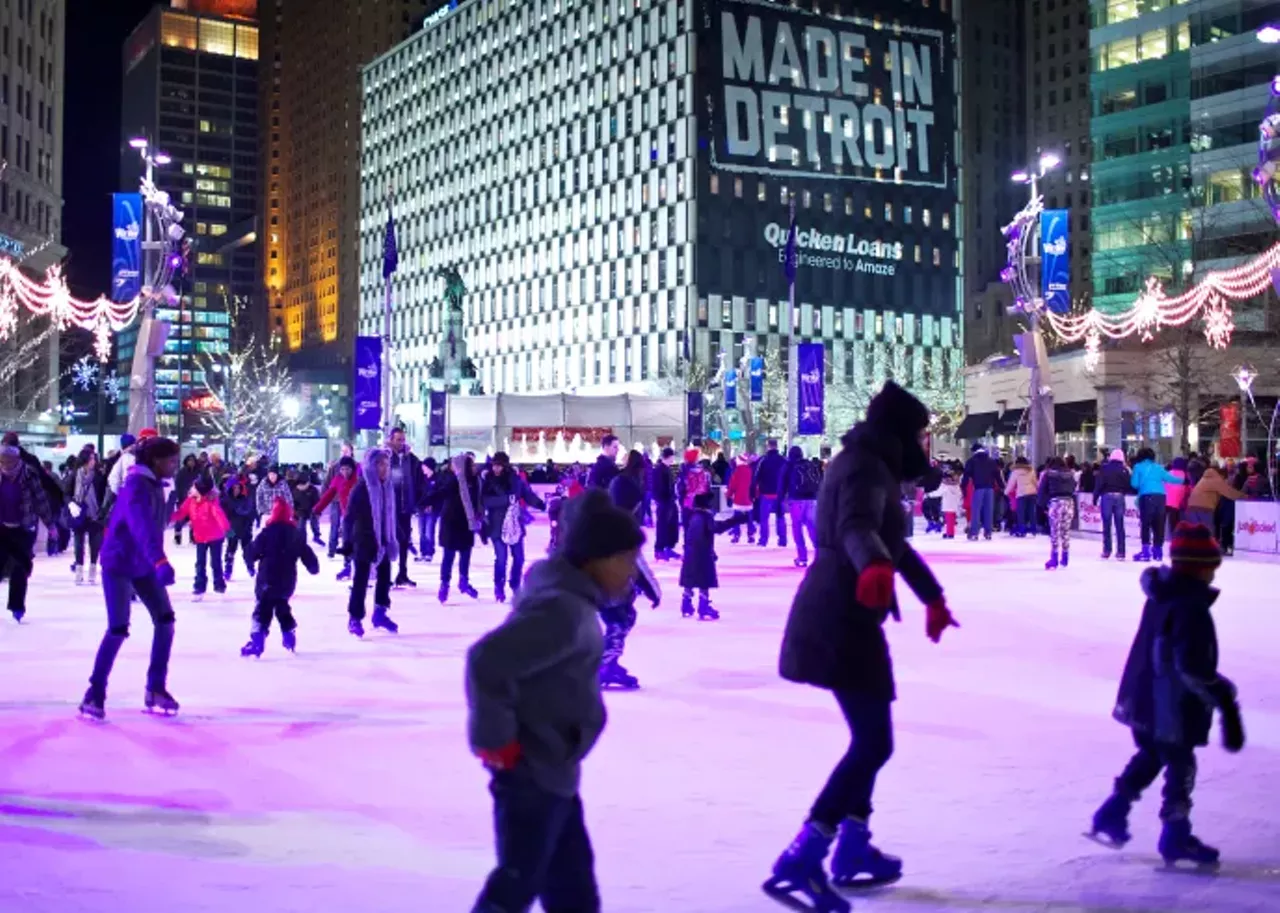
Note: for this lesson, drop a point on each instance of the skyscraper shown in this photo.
(191, 89)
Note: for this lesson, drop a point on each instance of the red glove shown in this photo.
(504, 758)
(875, 586)
(937, 618)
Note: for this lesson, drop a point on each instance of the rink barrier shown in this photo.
(1256, 522)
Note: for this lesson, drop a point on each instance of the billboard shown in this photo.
(367, 383)
(855, 122)
(1055, 260)
(126, 246)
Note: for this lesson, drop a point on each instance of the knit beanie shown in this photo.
(692, 454)
(281, 512)
(147, 433)
(127, 441)
(592, 528)
(1117, 455)
(1193, 546)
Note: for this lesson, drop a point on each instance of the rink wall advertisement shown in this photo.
(1256, 525)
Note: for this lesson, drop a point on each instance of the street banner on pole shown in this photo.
(436, 420)
(367, 384)
(731, 388)
(693, 417)
(126, 246)
(756, 368)
(1055, 260)
(809, 374)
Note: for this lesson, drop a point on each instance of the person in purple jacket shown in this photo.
(133, 561)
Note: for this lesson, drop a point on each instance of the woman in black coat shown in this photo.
(627, 488)
(698, 570)
(834, 637)
(459, 521)
(501, 491)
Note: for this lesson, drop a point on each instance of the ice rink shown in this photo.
(339, 778)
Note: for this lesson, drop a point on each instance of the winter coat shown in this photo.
(1211, 489)
(453, 531)
(276, 552)
(119, 471)
(268, 494)
(208, 522)
(981, 470)
(698, 569)
(802, 478)
(832, 641)
(662, 484)
(952, 497)
(83, 498)
(304, 502)
(183, 481)
(237, 500)
(769, 473)
(740, 487)
(1112, 479)
(535, 679)
(603, 471)
(1022, 482)
(1054, 484)
(1149, 478)
(358, 537)
(133, 545)
(496, 492)
(339, 489)
(36, 505)
(1175, 493)
(1170, 684)
(409, 483)
(628, 493)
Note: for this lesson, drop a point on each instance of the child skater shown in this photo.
(536, 711)
(369, 537)
(1057, 495)
(209, 527)
(133, 561)
(276, 552)
(339, 490)
(698, 568)
(1168, 692)
(951, 500)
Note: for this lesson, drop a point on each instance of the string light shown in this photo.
(1209, 299)
(51, 298)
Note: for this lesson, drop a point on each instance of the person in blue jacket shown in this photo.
(1148, 480)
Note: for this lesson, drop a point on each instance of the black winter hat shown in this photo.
(347, 461)
(204, 484)
(592, 527)
(895, 411)
(430, 463)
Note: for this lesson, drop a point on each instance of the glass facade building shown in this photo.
(587, 166)
(191, 88)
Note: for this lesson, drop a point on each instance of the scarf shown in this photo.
(382, 507)
(464, 492)
(87, 494)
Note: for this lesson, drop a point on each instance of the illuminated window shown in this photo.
(217, 37)
(216, 230)
(178, 31)
(246, 42)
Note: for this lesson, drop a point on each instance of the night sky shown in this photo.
(96, 31)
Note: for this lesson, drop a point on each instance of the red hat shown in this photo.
(692, 455)
(1193, 545)
(281, 512)
(147, 433)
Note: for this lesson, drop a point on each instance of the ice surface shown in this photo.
(339, 779)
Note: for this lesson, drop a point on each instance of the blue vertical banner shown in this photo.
(731, 388)
(436, 421)
(127, 219)
(756, 369)
(1055, 260)
(809, 375)
(693, 427)
(367, 385)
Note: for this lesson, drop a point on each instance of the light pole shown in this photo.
(1022, 273)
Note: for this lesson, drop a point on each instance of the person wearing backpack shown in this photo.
(801, 481)
(501, 494)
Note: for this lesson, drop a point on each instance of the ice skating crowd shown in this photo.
(534, 683)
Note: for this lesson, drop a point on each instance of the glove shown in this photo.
(875, 586)
(165, 575)
(1232, 727)
(655, 604)
(504, 758)
(937, 618)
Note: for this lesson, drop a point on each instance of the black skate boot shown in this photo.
(499, 593)
(1111, 823)
(686, 606)
(1178, 844)
(355, 626)
(289, 640)
(1157, 553)
(1106, 554)
(1066, 557)
(798, 879)
(614, 675)
(856, 863)
(1052, 563)
(467, 589)
(93, 705)
(444, 593)
(705, 610)
(344, 574)
(403, 581)
(255, 646)
(1144, 555)
(381, 620)
(159, 701)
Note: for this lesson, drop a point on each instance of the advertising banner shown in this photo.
(693, 417)
(1091, 518)
(1229, 444)
(367, 384)
(809, 374)
(126, 246)
(436, 420)
(756, 367)
(1055, 260)
(731, 388)
(1256, 526)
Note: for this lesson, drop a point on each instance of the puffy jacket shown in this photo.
(802, 478)
(981, 470)
(496, 492)
(1056, 483)
(769, 475)
(1022, 482)
(952, 497)
(237, 498)
(304, 501)
(1150, 478)
(1175, 493)
(208, 521)
(276, 553)
(740, 486)
(134, 542)
(339, 489)
(1112, 479)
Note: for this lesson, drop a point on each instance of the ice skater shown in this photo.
(698, 568)
(457, 498)
(834, 639)
(240, 507)
(504, 494)
(536, 711)
(662, 489)
(88, 495)
(1168, 692)
(369, 537)
(338, 494)
(951, 501)
(277, 551)
(209, 527)
(133, 561)
(1057, 497)
(1110, 486)
(24, 503)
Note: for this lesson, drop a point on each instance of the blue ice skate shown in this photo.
(856, 863)
(798, 879)
(1111, 823)
(1178, 844)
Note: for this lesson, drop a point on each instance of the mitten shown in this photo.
(938, 618)
(165, 575)
(504, 758)
(875, 586)
(1232, 727)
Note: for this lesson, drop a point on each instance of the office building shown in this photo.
(31, 90)
(616, 211)
(191, 89)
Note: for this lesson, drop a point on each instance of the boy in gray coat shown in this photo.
(533, 688)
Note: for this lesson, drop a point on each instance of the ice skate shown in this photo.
(1052, 563)
(289, 640)
(1144, 555)
(355, 627)
(344, 574)
(255, 646)
(403, 581)
(856, 863)
(706, 612)
(226, 573)
(801, 562)
(197, 595)
(686, 606)
(1111, 823)
(382, 620)
(798, 879)
(1066, 557)
(1119, 556)
(159, 701)
(1178, 844)
(18, 614)
(499, 594)
(467, 589)
(220, 590)
(1106, 554)
(614, 675)
(79, 575)
(444, 593)
(93, 705)
(1157, 553)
